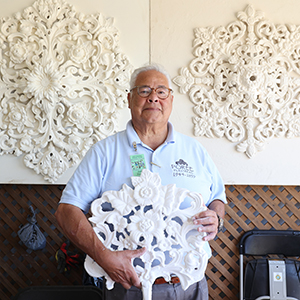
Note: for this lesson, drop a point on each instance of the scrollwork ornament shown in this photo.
(164, 227)
(63, 81)
(244, 81)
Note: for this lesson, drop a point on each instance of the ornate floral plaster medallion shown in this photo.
(244, 81)
(63, 80)
(163, 226)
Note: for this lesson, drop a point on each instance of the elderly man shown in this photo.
(107, 166)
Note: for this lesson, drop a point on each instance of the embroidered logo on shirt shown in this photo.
(181, 168)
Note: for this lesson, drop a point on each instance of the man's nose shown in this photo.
(153, 96)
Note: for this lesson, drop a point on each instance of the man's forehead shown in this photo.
(152, 75)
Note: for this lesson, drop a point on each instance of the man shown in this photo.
(178, 159)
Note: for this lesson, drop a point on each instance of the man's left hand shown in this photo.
(208, 219)
(209, 223)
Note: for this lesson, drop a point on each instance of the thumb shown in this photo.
(138, 252)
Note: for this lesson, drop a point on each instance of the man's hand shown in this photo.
(209, 219)
(118, 265)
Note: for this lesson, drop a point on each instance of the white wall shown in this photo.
(171, 36)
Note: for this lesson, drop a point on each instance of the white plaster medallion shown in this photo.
(244, 81)
(63, 80)
(151, 216)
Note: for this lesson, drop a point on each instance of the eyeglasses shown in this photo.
(144, 91)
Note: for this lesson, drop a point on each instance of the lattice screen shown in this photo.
(249, 207)
(19, 266)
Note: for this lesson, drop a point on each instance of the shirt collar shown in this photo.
(134, 138)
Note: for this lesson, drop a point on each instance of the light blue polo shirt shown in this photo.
(180, 160)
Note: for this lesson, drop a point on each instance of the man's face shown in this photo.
(150, 110)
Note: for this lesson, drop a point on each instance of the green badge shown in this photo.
(137, 164)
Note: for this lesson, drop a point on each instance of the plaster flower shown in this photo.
(146, 192)
(18, 52)
(17, 117)
(79, 115)
(44, 82)
(252, 78)
(146, 226)
(164, 244)
(81, 52)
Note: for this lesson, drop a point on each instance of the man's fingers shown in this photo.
(207, 228)
(209, 237)
(208, 223)
(136, 282)
(203, 221)
(126, 285)
(130, 277)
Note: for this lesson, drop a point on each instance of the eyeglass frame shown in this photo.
(152, 89)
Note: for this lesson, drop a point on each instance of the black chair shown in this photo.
(59, 293)
(267, 277)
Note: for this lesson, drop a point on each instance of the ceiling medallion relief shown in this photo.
(62, 82)
(151, 216)
(244, 81)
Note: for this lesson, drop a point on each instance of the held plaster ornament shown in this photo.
(244, 81)
(62, 82)
(156, 217)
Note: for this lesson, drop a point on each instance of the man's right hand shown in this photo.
(118, 265)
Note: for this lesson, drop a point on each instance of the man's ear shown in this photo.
(128, 99)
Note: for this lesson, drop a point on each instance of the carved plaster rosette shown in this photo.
(244, 81)
(150, 215)
(62, 81)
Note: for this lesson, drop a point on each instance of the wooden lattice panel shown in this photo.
(21, 267)
(249, 207)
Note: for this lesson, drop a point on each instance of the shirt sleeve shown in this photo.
(85, 184)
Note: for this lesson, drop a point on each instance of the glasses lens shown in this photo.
(162, 92)
(144, 91)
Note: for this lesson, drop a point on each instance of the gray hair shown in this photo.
(155, 67)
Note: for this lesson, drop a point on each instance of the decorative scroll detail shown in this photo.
(62, 82)
(244, 81)
(151, 216)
